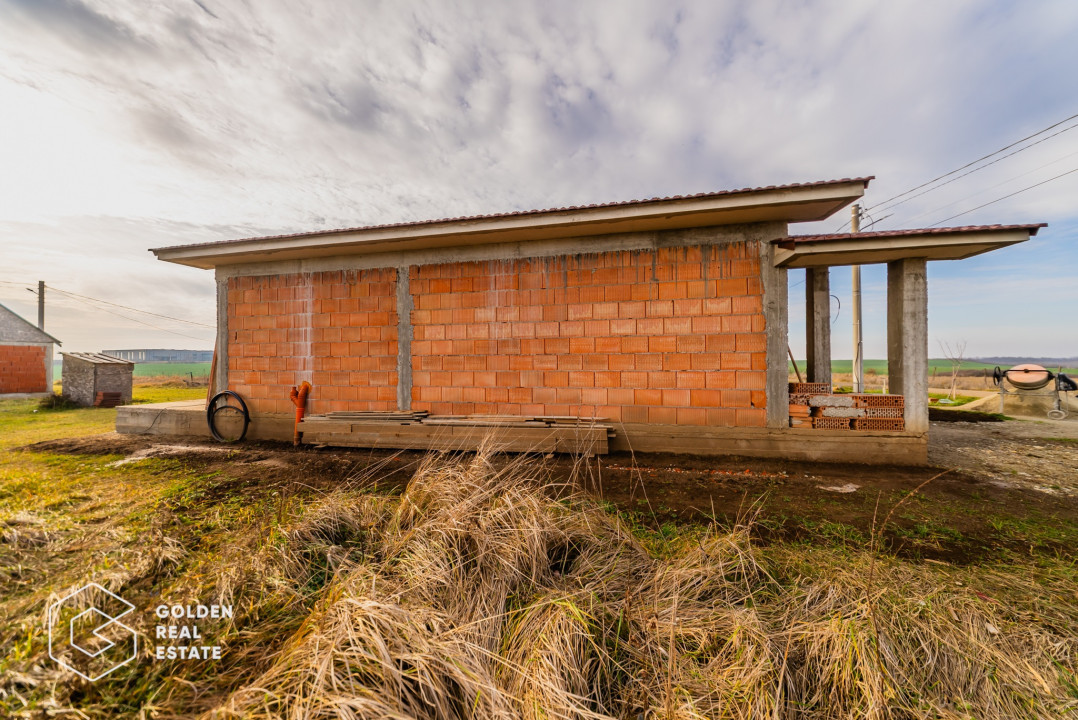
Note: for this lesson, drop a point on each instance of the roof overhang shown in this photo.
(880, 247)
(791, 203)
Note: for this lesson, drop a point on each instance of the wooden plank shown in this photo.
(468, 422)
(419, 437)
(579, 419)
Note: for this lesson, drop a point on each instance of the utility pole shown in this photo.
(40, 303)
(858, 358)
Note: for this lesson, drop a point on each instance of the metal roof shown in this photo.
(1033, 228)
(97, 358)
(521, 213)
(953, 243)
(798, 202)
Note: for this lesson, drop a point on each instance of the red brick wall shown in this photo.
(22, 369)
(337, 330)
(668, 336)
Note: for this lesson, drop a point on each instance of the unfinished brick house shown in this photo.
(668, 317)
(25, 357)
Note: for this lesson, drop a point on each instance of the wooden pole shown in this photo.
(796, 370)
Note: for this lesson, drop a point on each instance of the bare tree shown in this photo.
(956, 354)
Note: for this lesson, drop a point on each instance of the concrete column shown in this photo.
(818, 324)
(220, 379)
(48, 368)
(776, 325)
(404, 338)
(907, 338)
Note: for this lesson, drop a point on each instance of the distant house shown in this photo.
(25, 356)
(97, 379)
(162, 356)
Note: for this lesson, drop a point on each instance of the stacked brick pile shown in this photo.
(815, 405)
(22, 369)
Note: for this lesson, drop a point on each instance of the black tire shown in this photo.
(211, 413)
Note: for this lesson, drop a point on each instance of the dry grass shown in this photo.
(486, 591)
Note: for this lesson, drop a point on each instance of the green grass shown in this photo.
(942, 366)
(23, 423)
(107, 520)
(161, 369)
(156, 394)
(958, 399)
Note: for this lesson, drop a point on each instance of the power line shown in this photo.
(125, 317)
(978, 160)
(125, 307)
(991, 187)
(106, 302)
(1016, 192)
(977, 169)
(970, 164)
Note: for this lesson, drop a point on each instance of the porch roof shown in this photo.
(954, 243)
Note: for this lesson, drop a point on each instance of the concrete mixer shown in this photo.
(1029, 379)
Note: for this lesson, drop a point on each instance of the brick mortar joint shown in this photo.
(405, 335)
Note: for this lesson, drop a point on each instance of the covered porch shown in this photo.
(906, 254)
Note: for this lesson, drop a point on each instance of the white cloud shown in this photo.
(129, 125)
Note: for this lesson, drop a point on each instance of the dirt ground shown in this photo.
(1008, 487)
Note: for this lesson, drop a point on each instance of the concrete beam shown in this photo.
(579, 245)
(188, 417)
(404, 338)
(907, 338)
(818, 324)
(776, 325)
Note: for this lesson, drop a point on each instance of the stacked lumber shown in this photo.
(815, 405)
(372, 416)
(108, 399)
(421, 431)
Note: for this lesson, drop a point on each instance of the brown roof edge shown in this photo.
(494, 216)
(799, 239)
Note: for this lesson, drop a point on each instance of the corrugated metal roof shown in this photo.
(1033, 228)
(569, 208)
(97, 358)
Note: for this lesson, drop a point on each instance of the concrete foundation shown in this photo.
(188, 417)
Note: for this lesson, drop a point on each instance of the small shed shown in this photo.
(25, 356)
(97, 379)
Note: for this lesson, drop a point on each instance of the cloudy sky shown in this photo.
(130, 125)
